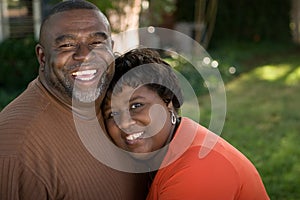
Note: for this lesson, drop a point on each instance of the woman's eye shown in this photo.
(136, 105)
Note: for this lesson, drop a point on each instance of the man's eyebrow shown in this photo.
(62, 38)
(102, 35)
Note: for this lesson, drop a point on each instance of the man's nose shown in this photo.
(83, 52)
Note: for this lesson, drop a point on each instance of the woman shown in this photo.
(141, 117)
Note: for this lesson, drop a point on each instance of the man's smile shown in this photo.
(85, 75)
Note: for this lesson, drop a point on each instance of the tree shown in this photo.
(295, 21)
(126, 14)
(205, 17)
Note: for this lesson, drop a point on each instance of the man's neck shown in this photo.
(81, 109)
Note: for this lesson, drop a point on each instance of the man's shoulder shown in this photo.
(18, 116)
(30, 101)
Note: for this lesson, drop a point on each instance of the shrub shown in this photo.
(18, 63)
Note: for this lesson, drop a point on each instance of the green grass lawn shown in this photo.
(262, 120)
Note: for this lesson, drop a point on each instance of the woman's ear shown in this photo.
(170, 105)
(40, 54)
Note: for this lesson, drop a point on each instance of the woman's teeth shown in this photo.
(134, 136)
(86, 75)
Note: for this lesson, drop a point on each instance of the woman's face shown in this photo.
(138, 120)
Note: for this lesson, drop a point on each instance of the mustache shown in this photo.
(95, 65)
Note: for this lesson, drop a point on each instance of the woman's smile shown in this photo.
(132, 138)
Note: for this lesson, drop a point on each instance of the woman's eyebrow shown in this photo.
(136, 98)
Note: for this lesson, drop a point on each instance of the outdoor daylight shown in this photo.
(237, 63)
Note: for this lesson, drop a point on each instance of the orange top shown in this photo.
(202, 165)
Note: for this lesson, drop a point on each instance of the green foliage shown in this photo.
(243, 55)
(6, 96)
(190, 73)
(18, 63)
(185, 11)
(252, 20)
(159, 8)
(18, 67)
(103, 5)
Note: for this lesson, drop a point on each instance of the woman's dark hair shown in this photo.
(145, 67)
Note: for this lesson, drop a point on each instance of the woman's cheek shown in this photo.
(112, 129)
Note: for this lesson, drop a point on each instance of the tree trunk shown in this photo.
(125, 23)
(125, 16)
(205, 17)
(295, 20)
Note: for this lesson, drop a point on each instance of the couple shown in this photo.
(42, 156)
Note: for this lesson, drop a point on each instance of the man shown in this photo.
(46, 132)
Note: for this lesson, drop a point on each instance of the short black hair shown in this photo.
(145, 66)
(68, 5)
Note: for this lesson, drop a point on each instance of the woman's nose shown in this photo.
(125, 121)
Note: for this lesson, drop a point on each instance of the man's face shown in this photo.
(78, 58)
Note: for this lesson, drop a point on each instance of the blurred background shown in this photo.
(253, 43)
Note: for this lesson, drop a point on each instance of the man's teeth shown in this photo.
(134, 136)
(85, 75)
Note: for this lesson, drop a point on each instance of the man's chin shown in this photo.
(86, 97)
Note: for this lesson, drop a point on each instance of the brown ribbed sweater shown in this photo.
(42, 156)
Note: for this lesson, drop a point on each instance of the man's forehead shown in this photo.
(77, 16)
(79, 20)
(74, 22)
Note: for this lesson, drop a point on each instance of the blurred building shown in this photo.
(20, 18)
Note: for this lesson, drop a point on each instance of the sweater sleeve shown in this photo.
(18, 182)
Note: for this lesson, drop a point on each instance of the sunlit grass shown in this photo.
(271, 73)
(293, 78)
(263, 122)
(288, 74)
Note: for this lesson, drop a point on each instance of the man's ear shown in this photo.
(40, 54)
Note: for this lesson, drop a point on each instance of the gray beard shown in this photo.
(87, 96)
(91, 94)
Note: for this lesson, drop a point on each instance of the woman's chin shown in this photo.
(141, 155)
